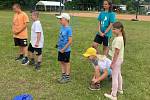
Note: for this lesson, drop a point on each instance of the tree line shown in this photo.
(75, 4)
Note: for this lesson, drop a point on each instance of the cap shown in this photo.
(90, 52)
(64, 15)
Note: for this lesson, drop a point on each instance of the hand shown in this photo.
(62, 50)
(102, 34)
(36, 44)
(95, 80)
(112, 65)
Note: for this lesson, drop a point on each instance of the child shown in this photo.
(20, 34)
(101, 65)
(64, 48)
(37, 41)
(118, 45)
(106, 19)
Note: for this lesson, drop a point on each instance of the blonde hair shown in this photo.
(101, 57)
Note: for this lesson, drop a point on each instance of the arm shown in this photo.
(38, 39)
(112, 20)
(67, 45)
(116, 54)
(99, 29)
(109, 28)
(22, 29)
(103, 76)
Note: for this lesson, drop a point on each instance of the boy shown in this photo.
(101, 66)
(20, 34)
(64, 48)
(37, 41)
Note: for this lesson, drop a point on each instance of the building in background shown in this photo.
(49, 6)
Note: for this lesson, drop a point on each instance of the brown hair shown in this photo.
(36, 13)
(110, 4)
(119, 25)
(17, 5)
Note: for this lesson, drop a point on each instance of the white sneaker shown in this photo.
(120, 91)
(110, 96)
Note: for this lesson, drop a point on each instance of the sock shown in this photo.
(63, 75)
(39, 63)
(67, 76)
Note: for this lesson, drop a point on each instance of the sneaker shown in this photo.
(110, 96)
(37, 66)
(95, 86)
(19, 58)
(61, 78)
(120, 91)
(64, 80)
(25, 61)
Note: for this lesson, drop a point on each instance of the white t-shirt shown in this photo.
(103, 64)
(36, 27)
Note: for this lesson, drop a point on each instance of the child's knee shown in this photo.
(95, 45)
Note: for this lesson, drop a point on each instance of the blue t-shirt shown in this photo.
(105, 19)
(65, 33)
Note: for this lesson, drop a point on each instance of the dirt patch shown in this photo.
(119, 16)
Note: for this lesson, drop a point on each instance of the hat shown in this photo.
(64, 15)
(90, 52)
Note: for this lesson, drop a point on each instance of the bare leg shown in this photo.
(31, 55)
(39, 58)
(67, 65)
(21, 51)
(105, 50)
(63, 68)
(95, 45)
(25, 51)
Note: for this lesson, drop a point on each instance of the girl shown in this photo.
(106, 19)
(101, 66)
(118, 45)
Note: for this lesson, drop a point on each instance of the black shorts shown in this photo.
(20, 42)
(64, 57)
(99, 39)
(38, 51)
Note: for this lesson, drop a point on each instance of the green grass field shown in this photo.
(16, 79)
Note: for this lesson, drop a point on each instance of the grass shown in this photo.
(16, 79)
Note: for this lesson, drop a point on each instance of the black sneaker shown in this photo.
(37, 66)
(19, 58)
(32, 62)
(25, 61)
(95, 87)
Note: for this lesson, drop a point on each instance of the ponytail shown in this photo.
(124, 36)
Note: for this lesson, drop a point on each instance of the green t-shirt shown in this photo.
(105, 19)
